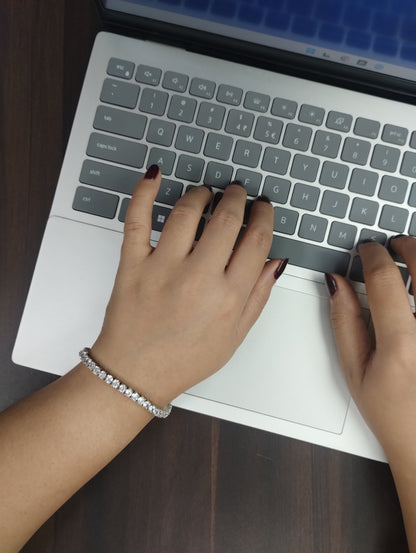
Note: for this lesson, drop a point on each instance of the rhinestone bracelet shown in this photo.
(115, 383)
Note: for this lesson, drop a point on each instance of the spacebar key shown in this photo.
(310, 256)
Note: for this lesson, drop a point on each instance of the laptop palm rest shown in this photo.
(75, 278)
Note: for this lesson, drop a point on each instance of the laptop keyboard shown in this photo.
(329, 189)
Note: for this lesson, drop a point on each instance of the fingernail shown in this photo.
(331, 283)
(263, 199)
(282, 266)
(237, 182)
(398, 236)
(207, 186)
(152, 172)
(365, 241)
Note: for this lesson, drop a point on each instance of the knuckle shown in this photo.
(260, 236)
(229, 218)
(134, 226)
(183, 211)
(383, 275)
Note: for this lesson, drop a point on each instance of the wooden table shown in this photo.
(191, 484)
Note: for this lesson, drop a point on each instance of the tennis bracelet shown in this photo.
(128, 392)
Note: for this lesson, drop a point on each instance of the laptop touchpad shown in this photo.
(287, 367)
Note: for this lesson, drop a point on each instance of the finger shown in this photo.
(260, 294)
(405, 246)
(178, 235)
(218, 239)
(251, 253)
(350, 331)
(138, 223)
(387, 296)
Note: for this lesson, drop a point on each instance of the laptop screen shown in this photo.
(375, 35)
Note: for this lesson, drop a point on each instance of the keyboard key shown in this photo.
(311, 115)
(363, 211)
(355, 151)
(363, 182)
(250, 180)
(297, 137)
(408, 167)
(285, 220)
(313, 228)
(119, 93)
(305, 197)
(247, 153)
(110, 177)
(385, 158)
(123, 210)
(356, 272)
(182, 109)
(342, 235)
(277, 190)
(334, 175)
(115, 149)
(218, 175)
(177, 82)
(169, 192)
(119, 121)
(339, 121)
(412, 197)
(229, 94)
(268, 130)
(284, 108)
(239, 122)
(326, 144)
(202, 88)
(153, 101)
(393, 218)
(366, 127)
(160, 215)
(257, 101)
(334, 204)
(120, 68)
(148, 75)
(412, 227)
(275, 161)
(394, 135)
(374, 235)
(218, 146)
(165, 159)
(160, 132)
(95, 202)
(393, 189)
(304, 168)
(210, 116)
(310, 256)
(189, 168)
(189, 139)
(413, 140)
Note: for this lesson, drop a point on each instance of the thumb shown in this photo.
(351, 334)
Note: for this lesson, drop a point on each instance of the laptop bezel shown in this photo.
(231, 49)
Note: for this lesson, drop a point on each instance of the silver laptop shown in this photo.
(307, 102)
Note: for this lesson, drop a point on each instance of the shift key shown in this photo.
(115, 149)
(310, 256)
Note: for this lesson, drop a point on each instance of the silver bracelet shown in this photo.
(115, 383)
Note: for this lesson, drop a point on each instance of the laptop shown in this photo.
(309, 102)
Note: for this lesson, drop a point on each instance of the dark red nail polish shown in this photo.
(152, 172)
(237, 182)
(282, 266)
(263, 198)
(331, 283)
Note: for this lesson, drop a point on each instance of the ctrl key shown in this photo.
(95, 202)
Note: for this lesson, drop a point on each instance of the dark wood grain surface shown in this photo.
(191, 484)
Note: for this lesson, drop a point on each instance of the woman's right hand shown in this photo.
(381, 370)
